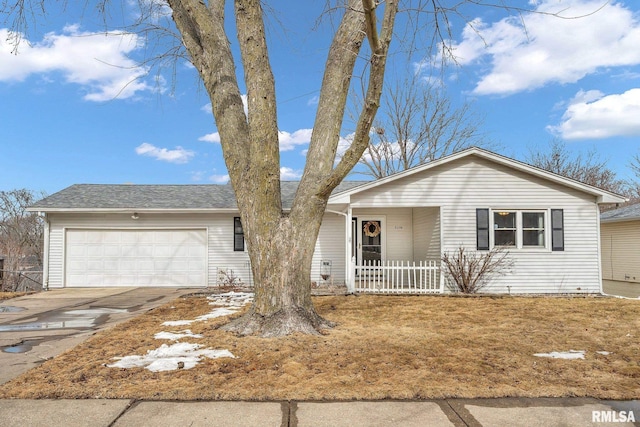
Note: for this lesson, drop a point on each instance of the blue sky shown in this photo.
(74, 108)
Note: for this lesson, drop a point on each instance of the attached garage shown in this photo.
(135, 257)
(620, 242)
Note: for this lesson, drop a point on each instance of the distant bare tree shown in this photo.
(634, 184)
(21, 233)
(587, 168)
(417, 123)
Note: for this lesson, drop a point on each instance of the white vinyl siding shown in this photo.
(426, 230)
(462, 186)
(219, 228)
(621, 251)
(330, 246)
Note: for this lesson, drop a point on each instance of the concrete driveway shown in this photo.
(37, 327)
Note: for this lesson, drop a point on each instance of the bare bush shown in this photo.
(469, 272)
(21, 236)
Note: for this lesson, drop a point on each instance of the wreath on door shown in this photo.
(371, 228)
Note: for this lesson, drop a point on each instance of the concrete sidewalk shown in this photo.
(453, 412)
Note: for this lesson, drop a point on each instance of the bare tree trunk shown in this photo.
(281, 244)
(282, 271)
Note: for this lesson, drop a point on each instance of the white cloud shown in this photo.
(592, 115)
(343, 145)
(289, 174)
(210, 137)
(313, 100)
(219, 179)
(98, 62)
(550, 49)
(288, 141)
(179, 155)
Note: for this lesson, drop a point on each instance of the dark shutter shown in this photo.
(557, 230)
(238, 235)
(482, 229)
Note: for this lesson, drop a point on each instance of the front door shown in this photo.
(371, 240)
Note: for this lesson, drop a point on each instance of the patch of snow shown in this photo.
(231, 299)
(216, 312)
(571, 354)
(186, 355)
(175, 336)
(228, 303)
(604, 353)
(168, 358)
(177, 322)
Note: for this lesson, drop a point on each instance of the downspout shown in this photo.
(599, 250)
(45, 255)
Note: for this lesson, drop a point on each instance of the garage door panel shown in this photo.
(111, 251)
(94, 250)
(135, 257)
(145, 250)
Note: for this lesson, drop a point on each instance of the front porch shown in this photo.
(394, 250)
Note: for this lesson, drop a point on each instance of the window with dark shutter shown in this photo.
(482, 229)
(238, 235)
(557, 230)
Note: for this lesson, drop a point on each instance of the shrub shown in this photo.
(469, 272)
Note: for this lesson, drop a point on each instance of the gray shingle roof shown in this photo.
(177, 197)
(625, 213)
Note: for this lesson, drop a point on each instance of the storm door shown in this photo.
(371, 241)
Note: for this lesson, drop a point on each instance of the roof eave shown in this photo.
(130, 210)
(624, 219)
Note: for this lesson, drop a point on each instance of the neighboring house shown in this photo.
(620, 242)
(371, 235)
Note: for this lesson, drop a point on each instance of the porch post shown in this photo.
(348, 264)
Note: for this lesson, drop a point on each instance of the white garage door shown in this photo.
(135, 257)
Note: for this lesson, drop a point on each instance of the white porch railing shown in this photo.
(397, 277)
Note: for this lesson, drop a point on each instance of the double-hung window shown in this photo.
(533, 229)
(504, 228)
(520, 229)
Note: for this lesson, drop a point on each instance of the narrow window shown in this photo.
(482, 229)
(504, 228)
(557, 230)
(238, 235)
(533, 229)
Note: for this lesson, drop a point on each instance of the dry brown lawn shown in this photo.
(384, 347)
(9, 295)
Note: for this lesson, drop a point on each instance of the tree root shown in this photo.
(280, 324)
